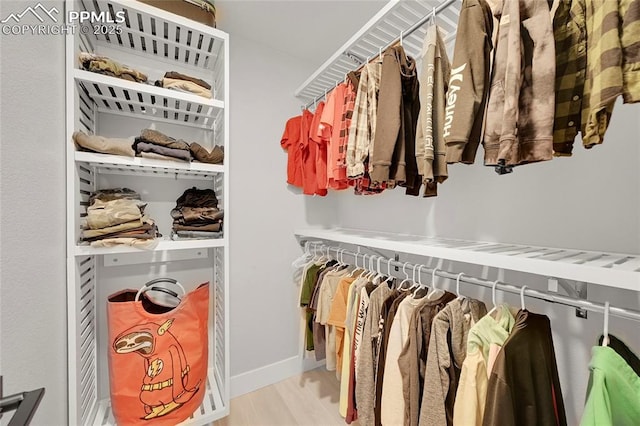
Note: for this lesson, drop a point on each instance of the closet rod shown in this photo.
(505, 287)
(439, 8)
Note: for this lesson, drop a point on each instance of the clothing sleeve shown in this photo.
(604, 57)
(424, 142)
(436, 379)
(326, 120)
(512, 85)
(468, 409)
(597, 411)
(365, 385)
(359, 130)
(469, 81)
(285, 141)
(387, 118)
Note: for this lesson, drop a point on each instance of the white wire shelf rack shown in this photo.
(116, 164)
(163, 245)
(122, 97)
(615, 270)
(395, 18)
(210, 410)
(158, 34)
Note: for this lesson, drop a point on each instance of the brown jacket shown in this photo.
(388, 161)
(524, 388)
(519, 121)
(469, 82)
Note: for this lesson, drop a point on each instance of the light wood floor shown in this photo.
(310, 399)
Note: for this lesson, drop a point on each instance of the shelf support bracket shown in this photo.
(577, 289)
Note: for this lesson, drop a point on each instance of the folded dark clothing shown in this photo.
(114, 194)
(179, 154)
(186, 215)
(178, 76)
(200, 153)
(190, 235)
(208, 227)
(158, 138)
(194, 197)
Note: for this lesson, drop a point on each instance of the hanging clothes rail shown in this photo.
(400, 38)
(397, 19)
(502, 286)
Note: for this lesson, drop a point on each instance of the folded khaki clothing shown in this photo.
(208, 227)
(103, 214)
(158, 138)
(200, 153)
(179, 154)
(145, 232)
(114, 194)
(184, 86)
(95, 143)
(154, 156)
(133, 242)
(104, 65)
(92, 233)
(177, 76)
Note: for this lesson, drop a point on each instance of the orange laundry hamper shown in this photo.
(158, 354)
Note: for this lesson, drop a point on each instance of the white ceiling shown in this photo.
(309, 29)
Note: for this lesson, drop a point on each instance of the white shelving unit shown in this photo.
(152, 41)
(614, 270)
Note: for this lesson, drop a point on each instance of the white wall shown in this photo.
(32, 218)
(265, 212)
(590, 201)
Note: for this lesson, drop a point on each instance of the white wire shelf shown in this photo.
(163, 245)
(122, 97)
(608, 269)
(210, 410)
(116, 164)
(160, 35)
(386, 26)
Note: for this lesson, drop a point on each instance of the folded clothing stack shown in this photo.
(116, 216)
(153, 144)
(184, 83)
(104, 65)
(196, 215)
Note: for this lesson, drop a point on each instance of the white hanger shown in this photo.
(522, 298)
(406, 279)
(605, 332)
(389, 275)
(304, 258)
(493, 297)
(435, 288)
(401, 37)
(460, 297)
(420, 286)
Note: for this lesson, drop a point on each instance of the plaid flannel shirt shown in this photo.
(569, 30)
(363, 124)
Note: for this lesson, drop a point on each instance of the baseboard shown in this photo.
(270, 374)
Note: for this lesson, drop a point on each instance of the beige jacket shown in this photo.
(519, 120)
(468, 409)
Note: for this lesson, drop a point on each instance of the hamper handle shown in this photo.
(148, 284)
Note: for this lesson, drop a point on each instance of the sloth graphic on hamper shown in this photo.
(164, 387)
